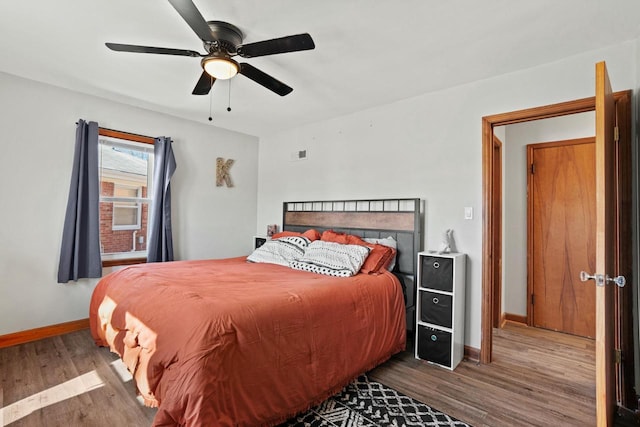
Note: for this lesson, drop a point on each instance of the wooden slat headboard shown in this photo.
(378, 218)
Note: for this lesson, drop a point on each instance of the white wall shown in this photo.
(38, 132)
(428, 147)
(514, 151)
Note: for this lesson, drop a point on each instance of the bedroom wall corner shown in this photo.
(38, 127)
(428, 146)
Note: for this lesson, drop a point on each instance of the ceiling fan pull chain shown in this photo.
(229, 100)
(210, 101)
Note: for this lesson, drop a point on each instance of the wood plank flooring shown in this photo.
(538, 378)
(67, 381)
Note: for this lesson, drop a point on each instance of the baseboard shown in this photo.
(517, 318)
(472, 354)
(44, 332)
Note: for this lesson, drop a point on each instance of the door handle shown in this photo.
(618, 280)
(601, 279)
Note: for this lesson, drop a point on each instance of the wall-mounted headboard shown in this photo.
(378, 218)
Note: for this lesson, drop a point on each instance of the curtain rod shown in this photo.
(137, 136)
(127, 133)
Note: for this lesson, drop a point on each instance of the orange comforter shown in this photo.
(226, 342)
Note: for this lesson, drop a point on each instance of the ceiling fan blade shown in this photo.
(193, 17)
(280, 45)
(264, 79)
(148, 49)
(203, 87)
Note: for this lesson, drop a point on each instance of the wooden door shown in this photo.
(561, 235)
(624, 229)
(605, 247)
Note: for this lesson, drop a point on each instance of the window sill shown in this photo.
(113, 260)
(124, 261)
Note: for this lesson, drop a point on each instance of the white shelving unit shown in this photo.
(440, 308)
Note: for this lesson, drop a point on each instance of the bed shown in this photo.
(231, 342)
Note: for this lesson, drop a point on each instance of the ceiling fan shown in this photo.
(223, 41)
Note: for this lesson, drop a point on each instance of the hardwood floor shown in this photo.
(538, 378)
(67, 381)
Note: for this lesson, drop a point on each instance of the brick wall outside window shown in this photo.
(115, 241)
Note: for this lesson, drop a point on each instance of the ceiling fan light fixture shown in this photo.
(220, 67)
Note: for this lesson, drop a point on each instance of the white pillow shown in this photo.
(280, 251)
(332, 259)
(387, 241)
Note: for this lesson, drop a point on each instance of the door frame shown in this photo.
(489, 209)
(497, 237)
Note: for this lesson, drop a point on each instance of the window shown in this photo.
(126, 172)
(126, 215)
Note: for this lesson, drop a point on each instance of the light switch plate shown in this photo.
(468, 212)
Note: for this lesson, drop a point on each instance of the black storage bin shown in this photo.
(437, 273)
(434, 345)
(436, 308)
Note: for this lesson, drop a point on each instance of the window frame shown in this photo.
(117, 203)
(126, 136)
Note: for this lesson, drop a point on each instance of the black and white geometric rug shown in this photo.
(366, 403)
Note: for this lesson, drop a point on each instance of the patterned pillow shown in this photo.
(280, 251)
(379, 257)
(332, 259)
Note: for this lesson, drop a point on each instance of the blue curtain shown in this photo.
(160, 247)
(80, 251)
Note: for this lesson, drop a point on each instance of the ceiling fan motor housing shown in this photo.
(227, 35)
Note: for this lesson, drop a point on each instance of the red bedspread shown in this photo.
(226, 342)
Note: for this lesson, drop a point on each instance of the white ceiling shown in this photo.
(368, 52)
